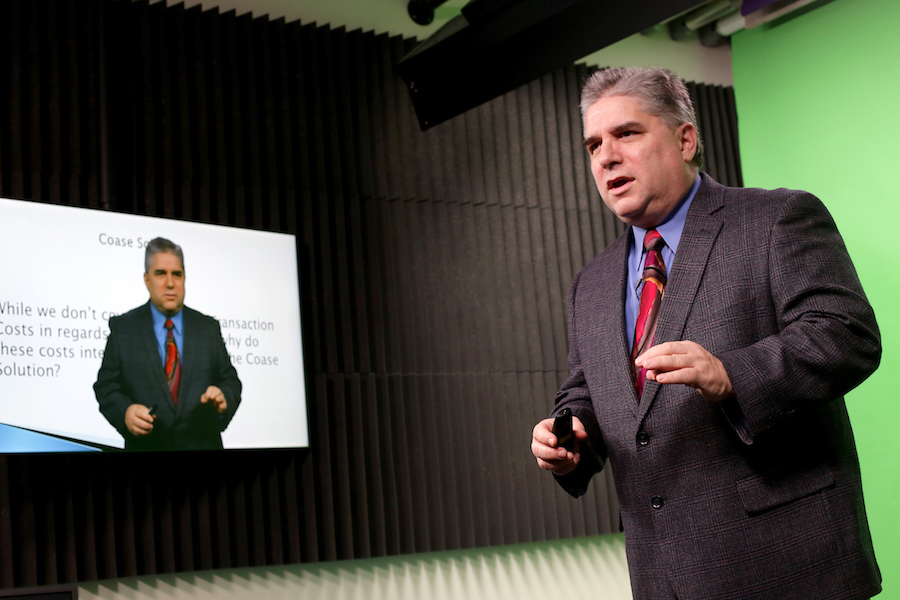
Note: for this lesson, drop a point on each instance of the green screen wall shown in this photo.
(818, 100)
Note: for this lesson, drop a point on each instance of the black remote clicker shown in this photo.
(562, 429)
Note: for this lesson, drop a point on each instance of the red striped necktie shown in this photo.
(654, 280)
(173, 364)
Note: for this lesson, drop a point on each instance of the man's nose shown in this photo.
(608, 154)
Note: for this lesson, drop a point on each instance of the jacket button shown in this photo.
(643, 438)
(656, 502)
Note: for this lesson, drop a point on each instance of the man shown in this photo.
(724, 422)
(166, 381)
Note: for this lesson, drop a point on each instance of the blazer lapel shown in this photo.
(189, 326)
(701, 228)
(609, 326)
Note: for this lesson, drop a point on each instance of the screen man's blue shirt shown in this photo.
(159, 328)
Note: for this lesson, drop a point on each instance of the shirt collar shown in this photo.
(159, 319)
(672, 226)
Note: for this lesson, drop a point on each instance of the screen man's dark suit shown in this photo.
(132, 372)
(759, 496)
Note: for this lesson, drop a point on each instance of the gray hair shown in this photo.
(159, 245)
(664, 95)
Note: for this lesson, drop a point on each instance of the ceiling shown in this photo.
(381, 16)
(688, 58)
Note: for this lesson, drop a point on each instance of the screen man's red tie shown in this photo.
(654, 280)
(173, 364)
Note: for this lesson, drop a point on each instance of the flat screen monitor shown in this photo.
(68, 270)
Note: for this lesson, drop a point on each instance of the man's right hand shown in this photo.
(549, 456)
(138, 419)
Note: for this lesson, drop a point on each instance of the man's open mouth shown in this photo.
(618, 182)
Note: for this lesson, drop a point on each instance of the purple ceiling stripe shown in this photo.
(750, 6)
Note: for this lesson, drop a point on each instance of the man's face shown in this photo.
(165, 282)
(641, 166)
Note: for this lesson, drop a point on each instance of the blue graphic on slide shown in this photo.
(14, 439)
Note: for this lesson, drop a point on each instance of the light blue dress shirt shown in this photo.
(159, 328)
(670, 230)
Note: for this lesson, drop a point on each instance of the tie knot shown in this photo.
(653, 241)
(169, 324)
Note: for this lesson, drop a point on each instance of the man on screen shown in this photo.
(166, 381)
(710, 347)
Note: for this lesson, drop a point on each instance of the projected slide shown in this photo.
(67, 270)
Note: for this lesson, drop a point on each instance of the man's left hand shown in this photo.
(215, 398)
(690, 364)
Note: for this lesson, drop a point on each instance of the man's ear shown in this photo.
(147, 280)
(687, 137)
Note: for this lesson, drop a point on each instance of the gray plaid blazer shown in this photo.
(758, 496)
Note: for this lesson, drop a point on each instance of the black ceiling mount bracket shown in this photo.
(494, 46)
(422, 11)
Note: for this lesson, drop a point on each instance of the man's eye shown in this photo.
(593, 147)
